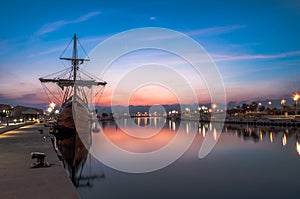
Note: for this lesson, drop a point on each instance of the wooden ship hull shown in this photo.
(75, 118)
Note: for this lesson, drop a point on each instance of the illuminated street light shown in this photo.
(296, 97)
(50, 109)
(283, 101)
(52, 105)
(214, 106)
(6, 115)
(270, 103)
(259, 104)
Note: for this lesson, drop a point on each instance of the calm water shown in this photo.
(247, 162)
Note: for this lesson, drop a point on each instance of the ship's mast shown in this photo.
(74, 63)
(74, 57)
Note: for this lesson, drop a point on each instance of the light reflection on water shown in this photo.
(247, 162)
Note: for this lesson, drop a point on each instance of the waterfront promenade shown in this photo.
(18, 179)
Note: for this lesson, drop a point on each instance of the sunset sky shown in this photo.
(255, 44)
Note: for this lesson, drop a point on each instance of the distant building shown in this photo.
(19, 112)
(26, 113)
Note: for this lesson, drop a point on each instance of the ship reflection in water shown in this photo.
(247, 162)
(76, 159)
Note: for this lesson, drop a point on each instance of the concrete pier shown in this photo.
(18, 179)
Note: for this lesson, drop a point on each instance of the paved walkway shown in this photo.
(4, 128)
(18, 179)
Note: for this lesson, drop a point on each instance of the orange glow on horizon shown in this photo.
(139, 145)
(150, 95)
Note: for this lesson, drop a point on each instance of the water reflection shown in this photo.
(75, 157)
(284, 139)
(203, 131)
(145, 121)
(259, 134)
(271, 137)
(239, 153)
(245, 132)
(215, 134)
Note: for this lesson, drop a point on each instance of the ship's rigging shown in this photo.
(73, 81)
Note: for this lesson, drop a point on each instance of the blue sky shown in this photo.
(255, 44)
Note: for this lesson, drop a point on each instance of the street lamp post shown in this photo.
(258, 106)
(296, 98)
(283, 101)
(270, 103)
(6, 115)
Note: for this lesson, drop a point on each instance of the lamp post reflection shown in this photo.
(203, 131)
(215, 134)
(298, 147)
(173, 126)
(260, 135)
(271, 137)
(187, 127)
(284, 139)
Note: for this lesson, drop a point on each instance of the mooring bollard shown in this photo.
(40, 160)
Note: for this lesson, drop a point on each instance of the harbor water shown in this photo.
(246, 162)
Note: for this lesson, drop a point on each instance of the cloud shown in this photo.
(25, 99)
(215, 30)
(204, 31)
(51, 27)
(46, 52)
(232, 57)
